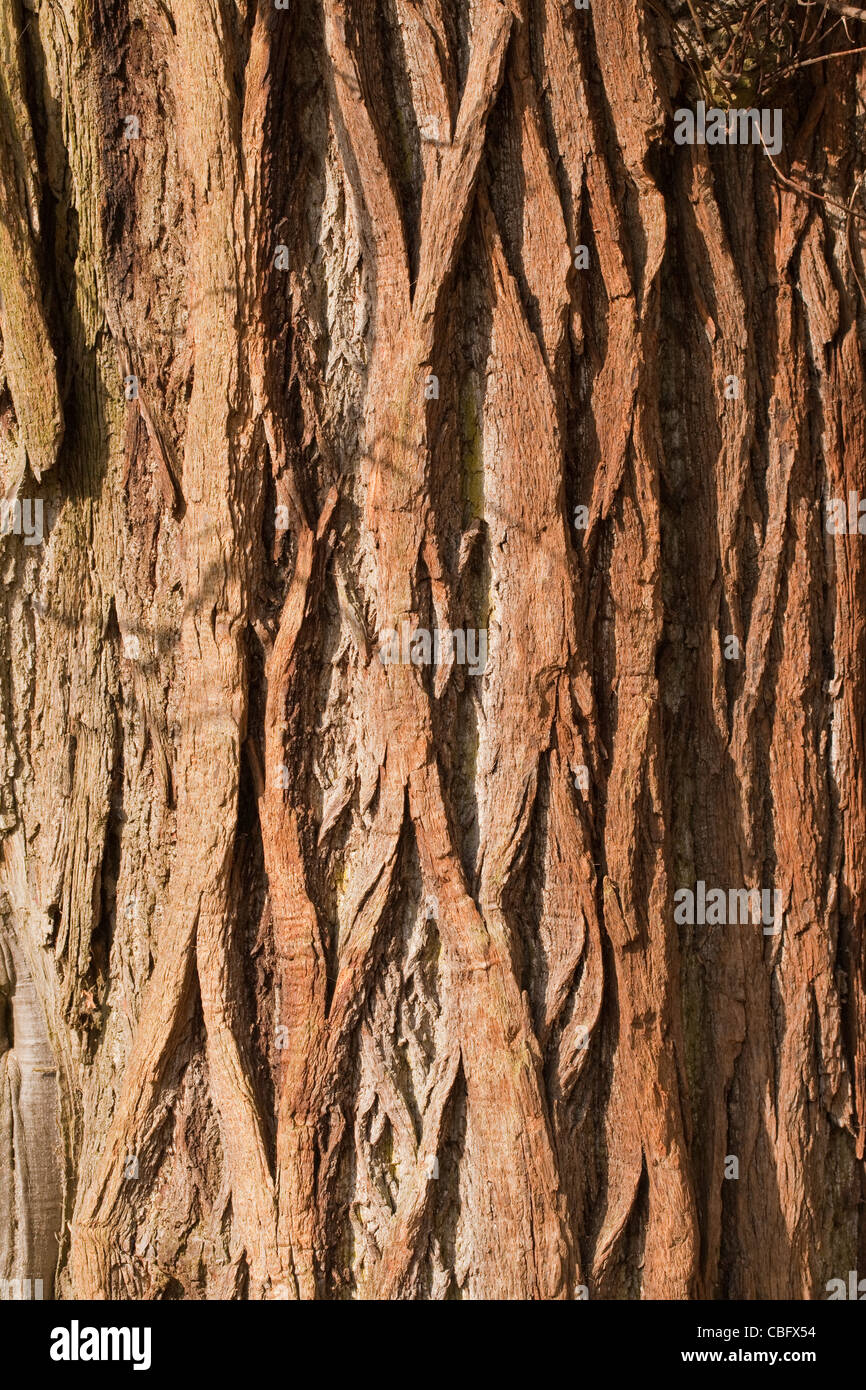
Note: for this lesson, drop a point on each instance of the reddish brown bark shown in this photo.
(365, 978)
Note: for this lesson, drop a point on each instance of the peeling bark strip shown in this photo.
(328, 330)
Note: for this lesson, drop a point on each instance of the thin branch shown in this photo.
(849, 11)
(848, 242)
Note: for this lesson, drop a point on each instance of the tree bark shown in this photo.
(329, 975)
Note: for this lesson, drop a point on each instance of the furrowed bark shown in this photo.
(337, 961)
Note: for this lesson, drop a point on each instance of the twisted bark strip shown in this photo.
(301, 964)
(528, 701)
(212, 646)
(832, 306)
(722, 285)
(406, 1228)
(30, 361)
(649, 1065)
(319, 1052)
(498, 1048)
(317, 1031)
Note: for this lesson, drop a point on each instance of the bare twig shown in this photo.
(849, 11)
(754, 47)
(850, 214)
(848, 242)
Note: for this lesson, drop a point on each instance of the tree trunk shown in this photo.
(423, 596)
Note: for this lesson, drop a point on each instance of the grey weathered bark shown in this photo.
(30, 1186)
(334, 977)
